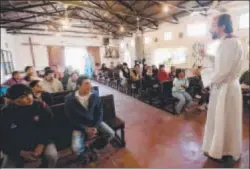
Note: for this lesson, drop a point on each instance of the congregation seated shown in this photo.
(124, 74)
(50, 84)
(135, 76)
(155, 70)
(15, 79)
(150, 80)
(96, 70)
(180, 84)
(172, 73)
(57, 74)
(30, 74)
(39, 94)
(66, 75)
(244, 80)
(25, 130)
(72, 81)
(85, 113)
(162, 74)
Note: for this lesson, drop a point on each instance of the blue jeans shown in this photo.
(184, 98)
(78, 145)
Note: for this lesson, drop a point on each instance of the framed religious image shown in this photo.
(111, 52)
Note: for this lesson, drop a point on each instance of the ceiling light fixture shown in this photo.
(166, 8)
(122, 29)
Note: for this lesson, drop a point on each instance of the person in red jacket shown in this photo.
(162, 74)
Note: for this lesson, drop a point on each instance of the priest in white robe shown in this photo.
(222, 70)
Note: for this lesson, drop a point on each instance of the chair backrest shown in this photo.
(167, 88)
(59, 97)
(108, 108)
(62, 129)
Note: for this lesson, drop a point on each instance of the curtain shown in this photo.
(56, 56)
(95, 53)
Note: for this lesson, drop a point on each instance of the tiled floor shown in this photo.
(156, 138)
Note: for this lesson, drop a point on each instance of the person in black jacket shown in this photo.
(85, 113)
(25, 129)
(39, 94)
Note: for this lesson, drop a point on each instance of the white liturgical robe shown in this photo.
(222, 70)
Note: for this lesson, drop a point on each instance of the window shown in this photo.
(244, 21)
(199, 29)
(147, 40)
(168, 36)
(174, 55)
(6, 62)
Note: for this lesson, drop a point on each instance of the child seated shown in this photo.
(180, 83)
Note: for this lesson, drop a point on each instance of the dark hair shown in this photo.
(33, 83)
(137, 64)
(14, 73)
(47, 68)
(97, 64)
(161, 66)
(27, 68)
(81, 79)
(74, 73)
(199, 67)
(178, 71)
(125, 64)
(48, 72)
(18, 90)
(225, 19)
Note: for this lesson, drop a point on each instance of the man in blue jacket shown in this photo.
(84, 110)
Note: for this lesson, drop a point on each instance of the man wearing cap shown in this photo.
(24, 129)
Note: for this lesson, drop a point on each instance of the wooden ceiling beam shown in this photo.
(41, 34)
(6, 9)
(64, 31)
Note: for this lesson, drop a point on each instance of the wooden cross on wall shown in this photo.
(30, 44)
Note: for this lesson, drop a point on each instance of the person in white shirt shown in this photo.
(51, 84)
(223, 129)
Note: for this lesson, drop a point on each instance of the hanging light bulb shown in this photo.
(165, 8)
(121, 29)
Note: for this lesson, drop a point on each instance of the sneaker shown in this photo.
(202, 107)
(197, 96)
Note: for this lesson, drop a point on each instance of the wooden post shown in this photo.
(32, 52)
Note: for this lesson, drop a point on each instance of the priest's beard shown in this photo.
(214, 35)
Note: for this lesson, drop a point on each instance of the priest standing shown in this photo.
(222, 70)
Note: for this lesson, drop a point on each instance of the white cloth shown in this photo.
(223, 129)
(84, 100)
(52, 87)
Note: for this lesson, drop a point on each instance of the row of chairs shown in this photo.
(159, 96)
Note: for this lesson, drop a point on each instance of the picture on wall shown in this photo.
(198, 52)
(111, 52)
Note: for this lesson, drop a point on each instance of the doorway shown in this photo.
(75, 57)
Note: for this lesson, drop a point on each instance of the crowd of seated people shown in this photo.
(26, 117)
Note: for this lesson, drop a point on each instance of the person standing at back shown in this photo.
(223, 130)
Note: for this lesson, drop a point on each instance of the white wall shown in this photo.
(23, 55)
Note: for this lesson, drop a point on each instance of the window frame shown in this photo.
(165, 35)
